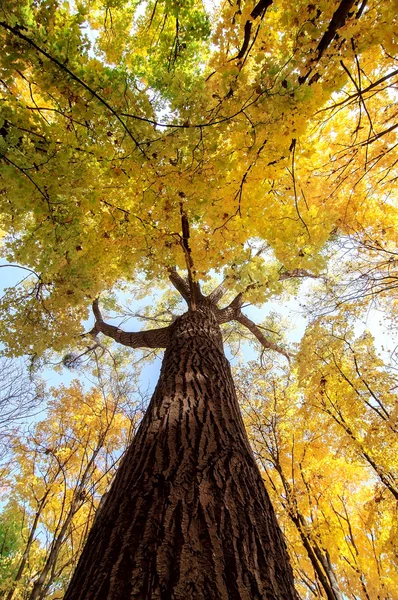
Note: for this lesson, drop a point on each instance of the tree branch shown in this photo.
(298, 273)
(337, 21)
(258, 10)
(180, 284)
(254, 329)
(230, 312)
(16, 31)
(152, 338)
(218, 292)
(195, 293)
(19, 267)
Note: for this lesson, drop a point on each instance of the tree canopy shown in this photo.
(244, 146)
(269, 126)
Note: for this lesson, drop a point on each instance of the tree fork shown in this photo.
(187, 516)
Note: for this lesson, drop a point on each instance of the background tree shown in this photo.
(11, 542)
(61, 472)
(20, 397)
(359, 397)
(328, 496)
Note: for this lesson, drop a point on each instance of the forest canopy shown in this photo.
(244, 147)
(270, 126)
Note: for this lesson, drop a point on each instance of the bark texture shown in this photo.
(187, 517)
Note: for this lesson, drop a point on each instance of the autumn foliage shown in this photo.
(251, 146)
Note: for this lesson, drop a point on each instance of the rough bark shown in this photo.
(187, 516)
(152, 338)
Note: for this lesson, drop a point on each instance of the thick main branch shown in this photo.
(194, 288)
(180, 284)
(338, 20)
(152, 338)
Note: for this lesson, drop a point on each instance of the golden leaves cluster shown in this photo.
(287, 145)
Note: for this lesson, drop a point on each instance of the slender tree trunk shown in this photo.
(53, 554)
(319, 558)
(76, 503)
(25, 555)
(187, 517)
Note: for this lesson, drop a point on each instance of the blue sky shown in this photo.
(289, 310)
(12, 275)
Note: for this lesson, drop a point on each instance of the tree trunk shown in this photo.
(187, 517)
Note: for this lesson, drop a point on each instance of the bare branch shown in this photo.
(195, 293)
(218, 293)
(19, 267)
(180, 284)
(363, 91)
(152, 338)
(292, 172)
(254, 329)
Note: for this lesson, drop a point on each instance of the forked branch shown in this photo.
(152, 338)
(227, 314)
(232, 312)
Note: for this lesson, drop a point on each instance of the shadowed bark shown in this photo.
(187, 516)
